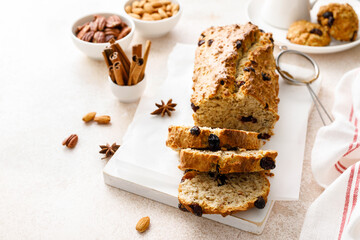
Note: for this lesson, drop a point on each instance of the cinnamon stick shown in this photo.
(133, 63)
(111, 73)
(137, 50)
(123, 58)
(146, 55)
(136, 73)
(118, 74)
(108, 63)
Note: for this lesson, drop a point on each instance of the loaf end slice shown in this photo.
(211, 138)
(224, 162)
(202, 193)
(235, 84)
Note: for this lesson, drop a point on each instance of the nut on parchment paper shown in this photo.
(89, 117)
(70, 141)
(104, 119)
(143, 224)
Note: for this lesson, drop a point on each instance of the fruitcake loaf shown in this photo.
(224, 162)
(234, 81)
(208, 138)
(206, 193)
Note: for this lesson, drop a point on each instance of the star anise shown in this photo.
(164, 108)
(108, 150)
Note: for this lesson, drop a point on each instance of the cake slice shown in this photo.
(211, 138)
(207, 193)
(225, 162)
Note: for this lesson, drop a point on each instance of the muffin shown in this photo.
(340, 19)
(306, 33)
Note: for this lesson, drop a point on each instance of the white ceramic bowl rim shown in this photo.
(156, 21)
(107, 13)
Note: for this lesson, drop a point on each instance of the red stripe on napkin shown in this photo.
(351, 113)
(351, 147)
(342, 166)
(337, 168)
(356, 191)
(347, 198)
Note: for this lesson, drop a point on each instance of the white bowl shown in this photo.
(158, 28)
(128, 94)
(94, 50)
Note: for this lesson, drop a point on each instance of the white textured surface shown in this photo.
(47, 85)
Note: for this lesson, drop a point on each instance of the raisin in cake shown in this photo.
(234, 81)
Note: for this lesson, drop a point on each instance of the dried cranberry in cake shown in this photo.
(238, 44)
(248, 69)
(316, 31)
(210, 42)
(265, 77)
(221, 179)
(249, 119)
(195, 130)
(196, 209)
(194, 108)
(263, 136)
(260, 203)
(214, 142)
(267, 163)
(328, 14)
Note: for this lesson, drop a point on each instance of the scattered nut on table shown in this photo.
(104, 119)
(70, 141)
(152, 10)
(89, 117)
(143, 224)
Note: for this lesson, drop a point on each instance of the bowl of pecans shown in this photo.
(92, 33)
(154, 18)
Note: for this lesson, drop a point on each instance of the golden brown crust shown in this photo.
(221, 72)
(308, 33)
(180, 137)
(218, 60)
(341, 20)
(205, 209)
(226, 161)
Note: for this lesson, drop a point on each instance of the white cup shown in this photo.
(282, 13)
(128, 94)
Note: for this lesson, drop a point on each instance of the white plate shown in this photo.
(254, 9)
(145, 166)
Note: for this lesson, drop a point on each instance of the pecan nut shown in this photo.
(93, 26)
(88, 36)
(70, 141)
(83, 31)
(124, 32)
(112, 31)
(99, 37)
(101, 22)
(113, 21)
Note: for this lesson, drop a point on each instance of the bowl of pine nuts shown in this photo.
(154, 18)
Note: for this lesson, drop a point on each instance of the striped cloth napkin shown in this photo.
(335, 214)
